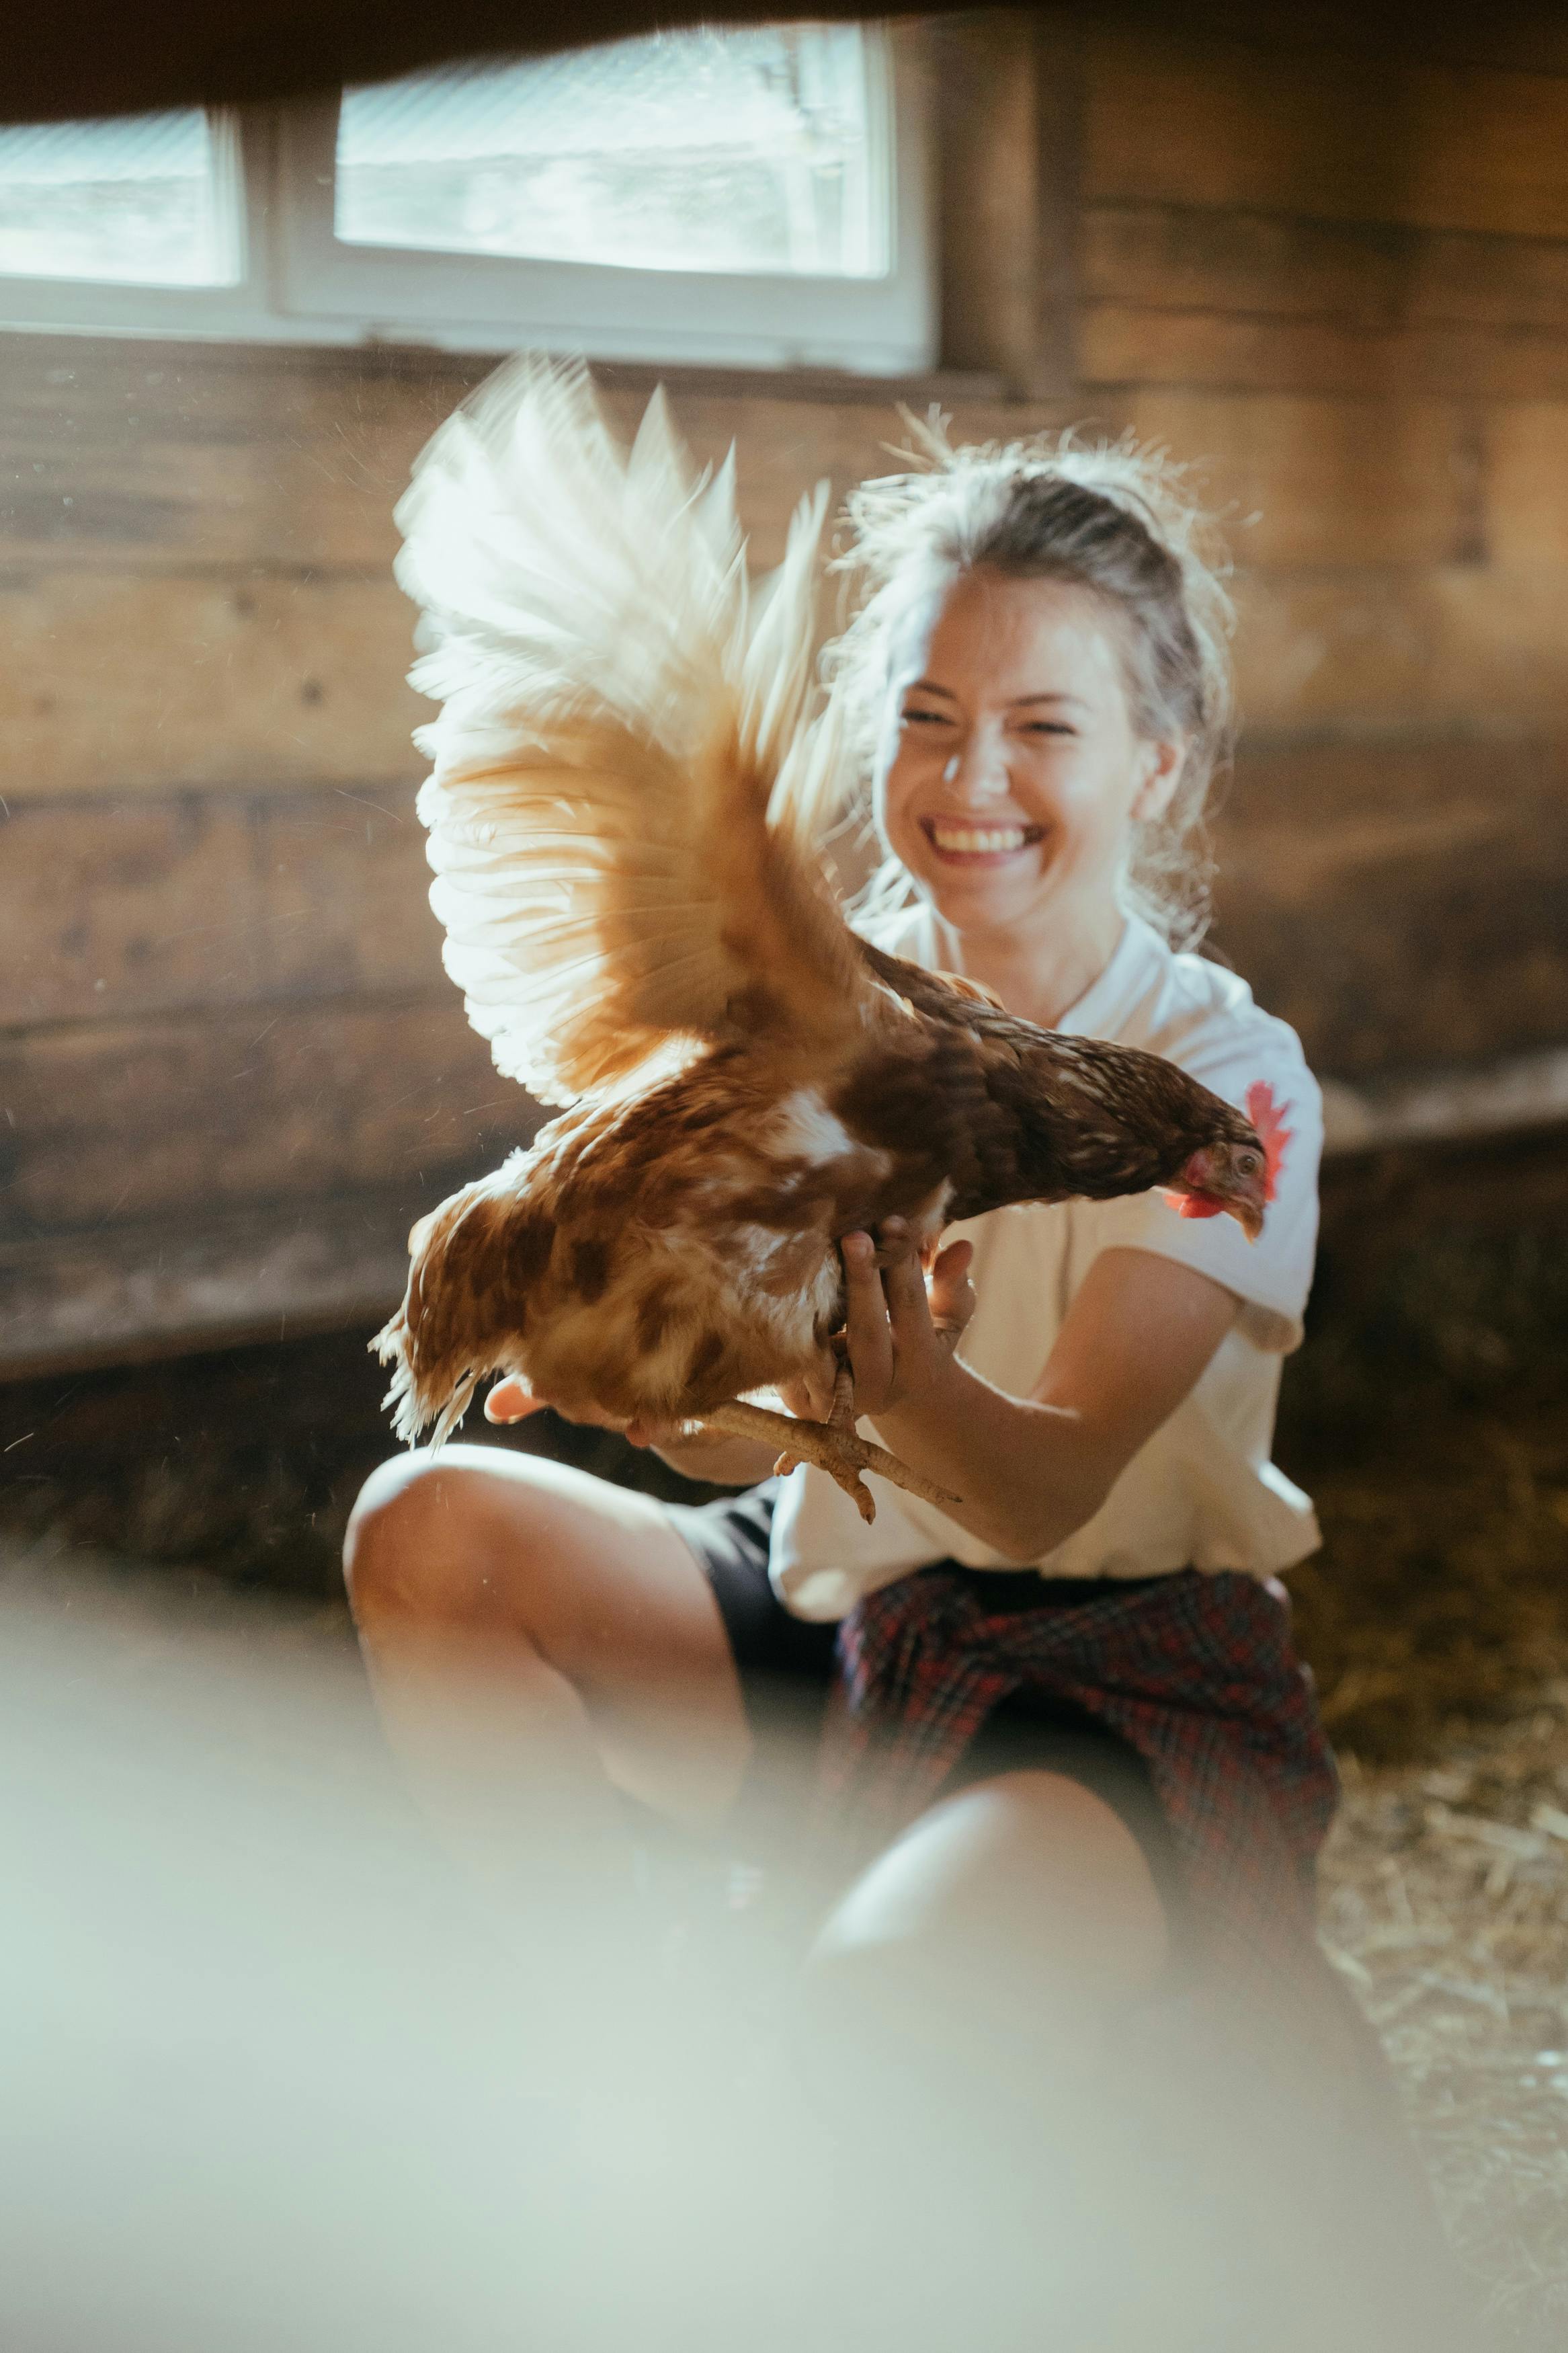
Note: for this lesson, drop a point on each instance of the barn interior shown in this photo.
(1322, 254)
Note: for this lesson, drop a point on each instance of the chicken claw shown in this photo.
(840, 1413)
(831, 1446)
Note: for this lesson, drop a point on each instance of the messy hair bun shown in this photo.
(1116, 519)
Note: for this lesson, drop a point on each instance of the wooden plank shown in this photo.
(1527, 483)
(109, 1121)
(1189, 120)
(1319, 481)
(1122, 345)
(363, 438)
(1463, 646)
(204, 902)
(1401, 904)
(165, 455)
(115, 682)
(122, 907)
(126, 683)
(201, 902)
(1371, 276)
(151, 1288)
(168, 457)
(140, 1291)
(1198, 257)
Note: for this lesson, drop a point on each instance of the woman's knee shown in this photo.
(1018, 1891)
(432, 1538)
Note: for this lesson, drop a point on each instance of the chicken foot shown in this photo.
(840, 1412)
(834, 1446)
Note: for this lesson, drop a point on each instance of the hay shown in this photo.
(1428, 1416)
(1446, 1902)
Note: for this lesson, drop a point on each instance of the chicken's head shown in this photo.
(1229, 1175)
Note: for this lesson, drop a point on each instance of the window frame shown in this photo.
(298, 283)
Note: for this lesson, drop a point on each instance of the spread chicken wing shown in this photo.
(626, 765)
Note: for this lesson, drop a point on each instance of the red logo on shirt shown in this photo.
(1269, 1118)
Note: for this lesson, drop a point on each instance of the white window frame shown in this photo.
(298, 283)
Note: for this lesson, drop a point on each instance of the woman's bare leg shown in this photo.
(1001, 1935)
(536, 1640)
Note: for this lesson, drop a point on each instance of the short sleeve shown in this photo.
(1260, 1070)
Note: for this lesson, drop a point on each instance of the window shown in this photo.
(758, 150)
(148, 202)
(756, 196)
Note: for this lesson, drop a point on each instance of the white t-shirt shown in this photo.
(1202, 1494)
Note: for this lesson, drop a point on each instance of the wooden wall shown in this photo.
(230, 1065)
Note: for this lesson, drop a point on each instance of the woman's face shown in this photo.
(1010, 772)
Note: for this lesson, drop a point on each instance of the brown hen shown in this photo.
(746, 1082)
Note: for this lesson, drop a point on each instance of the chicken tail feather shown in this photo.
(465, 1312)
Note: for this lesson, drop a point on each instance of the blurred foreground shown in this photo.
(274, 2078)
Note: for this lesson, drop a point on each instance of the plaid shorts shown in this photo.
(790, 1677)
(1178, 1698)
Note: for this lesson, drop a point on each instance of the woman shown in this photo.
(1039, 677)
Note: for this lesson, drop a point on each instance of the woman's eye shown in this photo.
(926, 719)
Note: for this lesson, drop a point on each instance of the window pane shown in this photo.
(760, 151)
(141, 201)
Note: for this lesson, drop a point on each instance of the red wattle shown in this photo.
(1193, 1205)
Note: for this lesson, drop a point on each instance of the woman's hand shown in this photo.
(902, 1325)
(512, 1400)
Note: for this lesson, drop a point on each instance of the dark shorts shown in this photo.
(787, 1667)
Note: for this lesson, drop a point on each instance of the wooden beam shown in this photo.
(1008, 91)
(1445, 1107)
(248, 1108)
(1326, 135)
(1403, 905)
(168, 1286)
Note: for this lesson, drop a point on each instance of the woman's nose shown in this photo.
(978, 772)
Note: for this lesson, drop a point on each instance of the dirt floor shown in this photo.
(1427, 1414)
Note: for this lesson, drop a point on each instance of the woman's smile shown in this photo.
(961, 841)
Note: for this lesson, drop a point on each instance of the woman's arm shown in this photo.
(1031, 1469)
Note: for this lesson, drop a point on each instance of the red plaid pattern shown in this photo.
(1196, 1672)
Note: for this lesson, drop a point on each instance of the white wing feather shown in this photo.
(618, 706)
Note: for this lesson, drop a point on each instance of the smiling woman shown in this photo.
(1082, 1765)
(1051, 614)
(1015, 772)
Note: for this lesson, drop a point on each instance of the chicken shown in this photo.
(744, 1081)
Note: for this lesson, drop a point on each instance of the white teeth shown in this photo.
(971, 838)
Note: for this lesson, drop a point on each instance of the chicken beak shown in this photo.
(1248, 1215)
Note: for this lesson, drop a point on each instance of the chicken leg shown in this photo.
(834, 1446)
(840, 1412)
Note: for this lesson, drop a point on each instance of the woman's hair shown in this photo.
(1117, 519)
